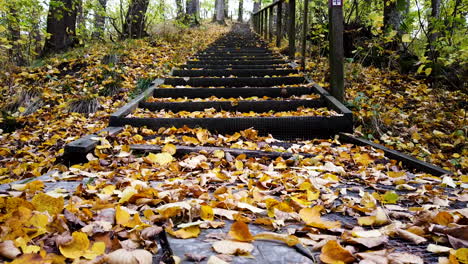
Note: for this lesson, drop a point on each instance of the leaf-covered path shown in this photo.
(186, 174)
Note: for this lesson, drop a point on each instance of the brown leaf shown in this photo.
(333, 252)
(240, 231)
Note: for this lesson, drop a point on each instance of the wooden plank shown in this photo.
(336, 56)
(292, 28)
(234, 82)
(407, 160)
(87, 144)
(270, 24)
(227, 92)
(279, 24)
(239, 106)
(182, 150)
(281, 127)
(133, 104)
(235, 72)
(268, 6)
(304, 33)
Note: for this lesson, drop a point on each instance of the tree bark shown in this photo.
(179, 9)
(61, 26)
(241, 11)
(394, 11)
(14, 36)
(192, 10)
(226, 8)
(257, 5)
(134, 26)
(99, 19)
(220, 14)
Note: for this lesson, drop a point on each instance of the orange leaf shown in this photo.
(240, 231)
(333, 252)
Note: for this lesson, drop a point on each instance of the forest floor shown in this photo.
(116, 199)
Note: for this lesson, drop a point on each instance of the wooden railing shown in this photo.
(262, 22)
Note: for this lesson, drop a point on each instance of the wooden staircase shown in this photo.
(234, 78)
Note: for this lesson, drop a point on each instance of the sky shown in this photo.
(233, 6)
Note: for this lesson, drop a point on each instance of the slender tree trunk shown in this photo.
(61, 26)
(14, 36)
(220, 14)
(134, 26)
(99, 20)
(257, 5)
(192, 10)
(180, 9)
(394, 11)
(241, 11)
(226, 8)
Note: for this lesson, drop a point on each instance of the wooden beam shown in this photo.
(336, 57)
(292, 28)
(304, 33)
(408, 161)
(182, 150)
(270, 24)
(279, 25)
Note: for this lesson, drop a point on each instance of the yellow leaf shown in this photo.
(334, 253)
(163, 158)
(239, 165)
(428, 71)
(43, 202)
(169, 148)
(190, 140)
(406, 38)
(77, 247)
(97, 249)
(207, 213)
(185, 233)
(122, 217)
(462, 255)
(218, 154)
(240, 231)
(127, 194)
(311, 216)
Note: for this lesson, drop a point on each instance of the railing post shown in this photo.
(304, 34)
(292, 28)
(260, 31)
(270, 24)
(265, 33)
(279, 15)
(336, 49)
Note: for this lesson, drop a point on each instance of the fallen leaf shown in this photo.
(333, 252)
(230, 247)
(240, 231)
(311, 216)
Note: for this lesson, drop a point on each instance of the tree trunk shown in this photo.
(192, 10)
(226, 8)
(220, 14)
(435, 14)
(14, 36)
(257, 5)
(180, 9)
(241, 11)
(99, 19)
(134, 26)
(394, 11)
(61, 26)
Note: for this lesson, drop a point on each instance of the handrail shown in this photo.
(262, 22)
(268, 6)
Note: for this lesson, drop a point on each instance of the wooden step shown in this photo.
(202, 92)
(237, 72)
(234, 82)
